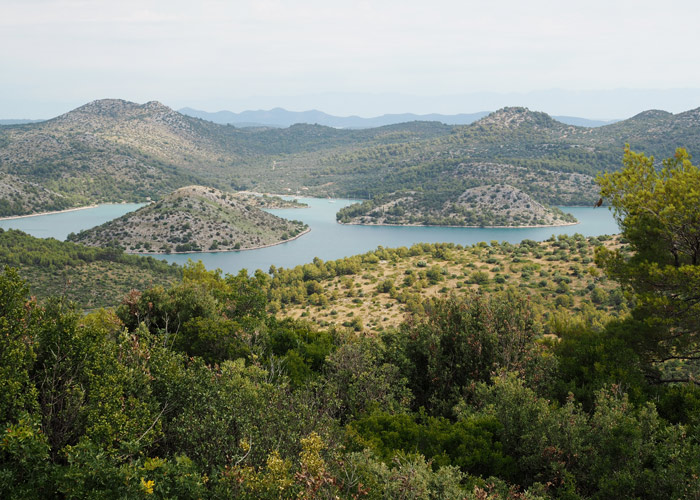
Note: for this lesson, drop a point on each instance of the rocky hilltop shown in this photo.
(193, 218)
(104, 151)
(511, 118)
(504, 205)
(492, 205)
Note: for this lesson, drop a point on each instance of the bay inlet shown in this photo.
(327, 239)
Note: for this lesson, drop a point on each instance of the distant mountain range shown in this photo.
(18, 121)
(113, 150)
(279, 117)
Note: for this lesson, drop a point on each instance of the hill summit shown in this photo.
(489, 205)
(518, 117)
(129, 122)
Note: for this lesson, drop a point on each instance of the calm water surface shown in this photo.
(61, 225)
(327, 239)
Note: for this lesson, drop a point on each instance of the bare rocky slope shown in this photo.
(193, 218)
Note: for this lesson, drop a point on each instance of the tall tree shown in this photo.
(658, 210)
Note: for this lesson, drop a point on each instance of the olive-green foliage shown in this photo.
(224, 415)
(103, 399)
(680, 404)
(409, 477)
(94, 381)
(224, 318)
(618, 450)
(24, 465)
(589, 360)
(214, 339)
(18, 248)
(92, 277)
(302, 348)
(359, 378)
(92, 473)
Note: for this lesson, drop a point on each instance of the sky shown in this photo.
(596, 59)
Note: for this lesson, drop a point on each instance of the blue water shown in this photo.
(61, 225)
(327, 239)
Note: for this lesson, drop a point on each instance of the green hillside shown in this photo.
(113, 150)
(552, 162)
(91, 277)
(566, 369)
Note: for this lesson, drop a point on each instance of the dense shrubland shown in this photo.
(91, 277)
(194, 390)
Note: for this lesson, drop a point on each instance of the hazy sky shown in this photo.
(216, 54)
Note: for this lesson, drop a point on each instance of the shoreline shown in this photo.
(536, 226)
(95, 205)
(12, 217)
(151, 254)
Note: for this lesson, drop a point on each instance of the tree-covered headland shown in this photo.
(196, 390)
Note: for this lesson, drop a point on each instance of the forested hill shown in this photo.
(519, 138)
(551, 162)
(90, 277)
(114, 150)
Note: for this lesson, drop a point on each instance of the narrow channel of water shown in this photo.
(327, 240)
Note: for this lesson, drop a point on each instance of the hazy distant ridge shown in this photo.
(18, 121)
(280, 117)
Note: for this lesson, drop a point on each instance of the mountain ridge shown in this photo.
(114, 150)
(280, 117)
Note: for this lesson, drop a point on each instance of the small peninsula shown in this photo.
(494, 205)
(262, 200)
(193, 219)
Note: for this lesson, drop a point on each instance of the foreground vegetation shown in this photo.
(195, 390)
(90, 277)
